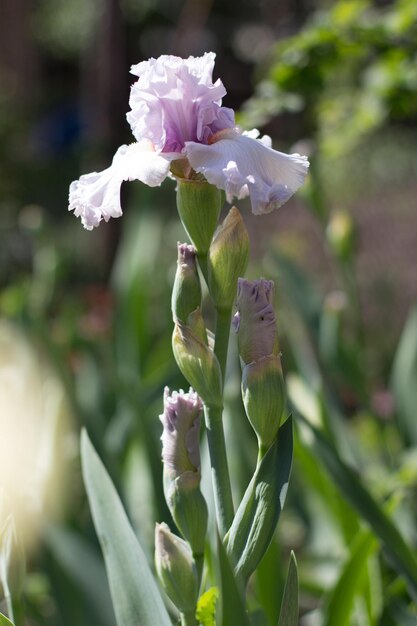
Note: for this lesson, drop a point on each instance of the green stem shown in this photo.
(262, 450)
(215, 433)
(189, 619)
(219, 468)
(199, 563)
(221, 343)
(202, 261)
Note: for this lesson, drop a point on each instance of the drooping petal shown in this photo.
(243, 165)
(96, 196)
(175, 101)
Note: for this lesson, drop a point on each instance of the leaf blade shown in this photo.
(233, 610)
(136, 598)
(352, 577)
(289, 608)
(257, 516)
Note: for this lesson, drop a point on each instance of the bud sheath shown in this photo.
(176, 569)
(227, 259)
(199, 205)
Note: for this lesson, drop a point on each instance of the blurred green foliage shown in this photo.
(352, 70)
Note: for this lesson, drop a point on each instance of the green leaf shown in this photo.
(400, 555)
(258, 513)
(351, 581)
(233, 609)
(136, 598)
(289, 608)
(206, 607)
(4, 621)
(404, 376)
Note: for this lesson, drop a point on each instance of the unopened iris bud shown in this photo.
(186, 294)
(181, 457)
(227, 258)
(196, 360)
(176, 569)
(199, 205)
(263, 388)
(255, 320)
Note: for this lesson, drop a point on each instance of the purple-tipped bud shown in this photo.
(263, 388)
(255, 321)
(181, 457)
(186, 294)
(176, 569)
(180, 438)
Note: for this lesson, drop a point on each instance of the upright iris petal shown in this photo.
(175, 101)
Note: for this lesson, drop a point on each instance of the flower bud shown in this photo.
(180, 438)
(263, 388)
(227, 258)
(181, 457)
(197, 362)
(199, 205)
(176, 569)
(186, 294)
(255, 321)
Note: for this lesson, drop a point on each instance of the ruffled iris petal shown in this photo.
(96, 196)
(243, 165)
(175, 101)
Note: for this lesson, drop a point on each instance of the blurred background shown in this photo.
(85, 335)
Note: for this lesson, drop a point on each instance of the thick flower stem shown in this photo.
(219, 468)
(202, 261)
(221, 343)
(215, 433)
(189, 619)
(199, 563)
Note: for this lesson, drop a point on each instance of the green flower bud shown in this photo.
(227, 258)
(176, 569)
(197, 362)
(263, 393)
(186, 294)
(199, 205)
(341, 234)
